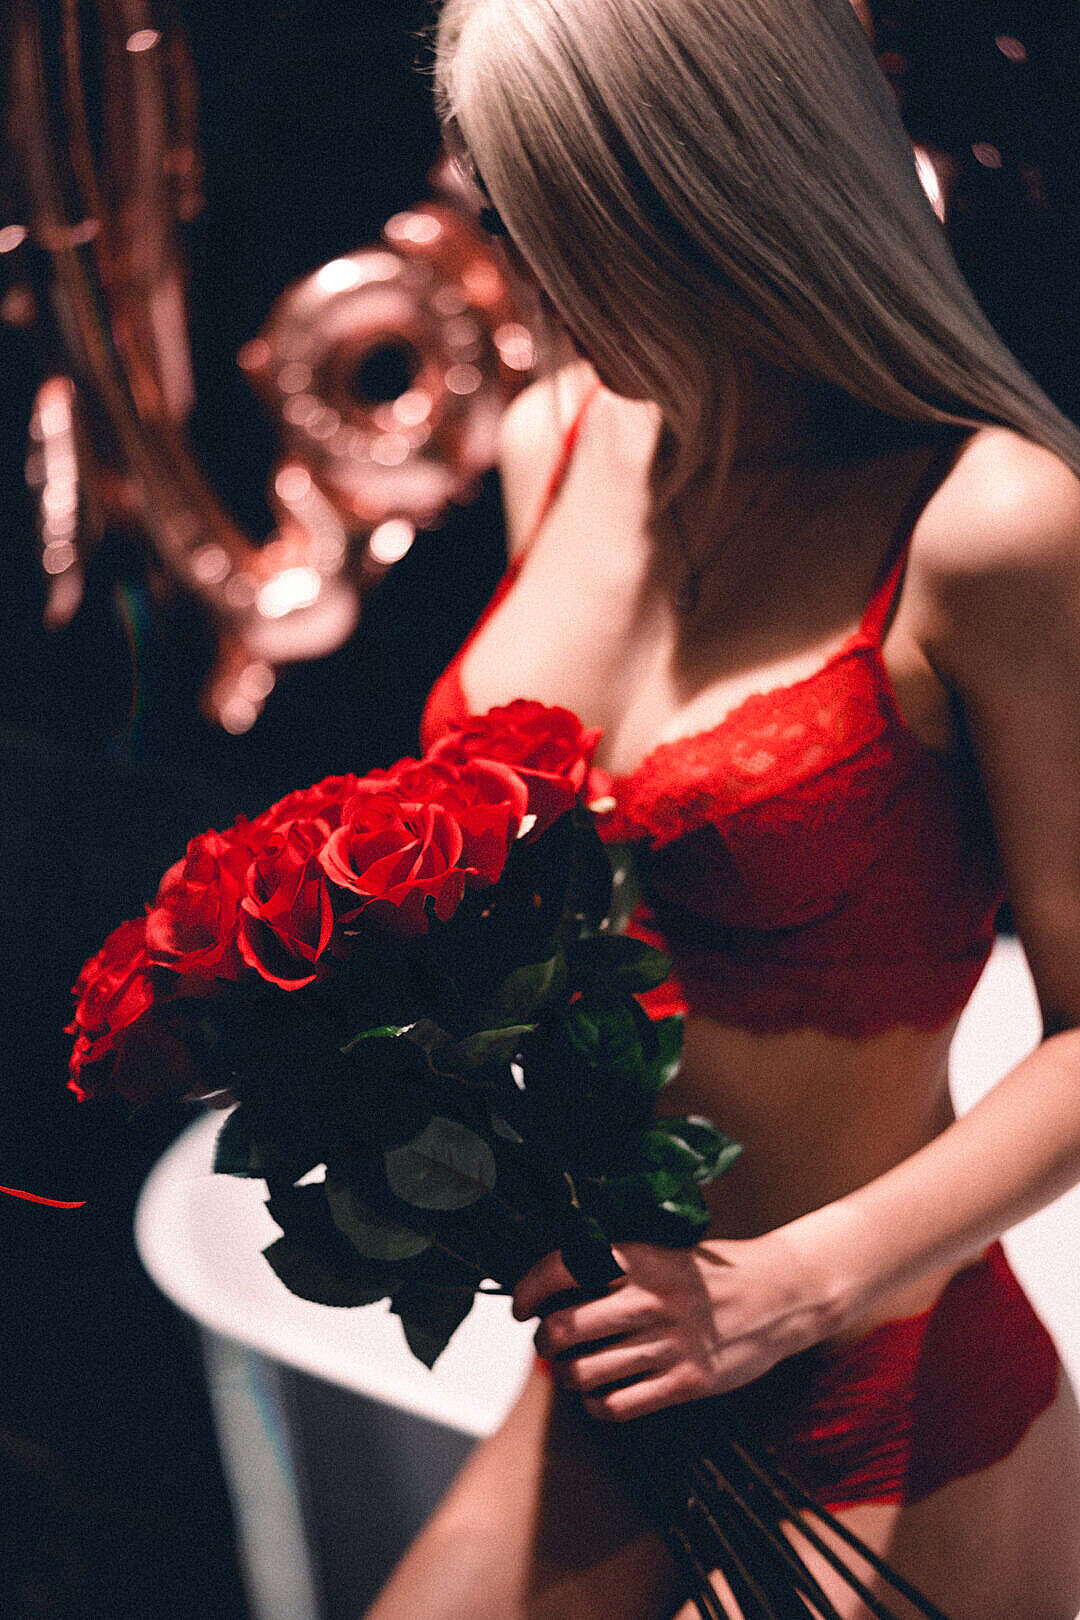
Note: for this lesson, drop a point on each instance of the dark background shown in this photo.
(315, 126)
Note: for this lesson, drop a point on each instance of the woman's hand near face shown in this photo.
(682, 1323)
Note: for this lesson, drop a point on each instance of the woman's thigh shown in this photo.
(531, 1530)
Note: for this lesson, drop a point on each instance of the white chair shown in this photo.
(337, 1443)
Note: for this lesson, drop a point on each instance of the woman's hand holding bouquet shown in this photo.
(682, 1324)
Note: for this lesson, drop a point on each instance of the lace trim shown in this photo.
(771, 745)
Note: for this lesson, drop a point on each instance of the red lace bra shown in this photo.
(807, 862)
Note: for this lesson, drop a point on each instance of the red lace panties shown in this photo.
(916, 1402)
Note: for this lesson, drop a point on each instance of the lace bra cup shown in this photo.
(808, 862)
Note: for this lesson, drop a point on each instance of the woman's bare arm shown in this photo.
(1005, 636)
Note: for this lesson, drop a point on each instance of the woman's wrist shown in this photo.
(805, 1295)
(835, 1293)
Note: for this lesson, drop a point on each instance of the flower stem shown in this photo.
(714, 1481)
(703, 1593)
(787, 1489)
(471, 1265)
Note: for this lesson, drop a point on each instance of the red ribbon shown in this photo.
(35, 1198)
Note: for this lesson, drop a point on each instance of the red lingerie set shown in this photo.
(809, 862)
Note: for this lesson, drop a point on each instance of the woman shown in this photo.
(814, 566)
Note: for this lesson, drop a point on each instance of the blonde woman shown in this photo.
(807, 547)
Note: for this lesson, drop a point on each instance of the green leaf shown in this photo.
(306, 1274)
(663, 1184)
(527, 988)
(236, 1153)
(587, 1255)
(252, 1144)
(664, 1147)
(663, 1064)
(381, 1032)
(319, 1256)
(371, 1234)
(678, 1197)
(302, 1212)
(625, 886)
(620, 960)
(503, 1128)
(687, 1208)
(717, 1151)
(430, 1316)
(446, 1167)
(603, 1029)
(426, 1034)
(584, 1079)
(488, 1046)
(647, 1207)
(690, 1146)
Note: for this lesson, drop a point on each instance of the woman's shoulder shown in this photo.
(531, 434)
(996, 558)
(1008, 509)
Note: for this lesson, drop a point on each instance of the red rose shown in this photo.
(286, 915)
(322, 802)
(114, 1052)
(487, 799)
(192, 925)
(395, 857)
(549, 749)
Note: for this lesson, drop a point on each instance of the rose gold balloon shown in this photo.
(360, 460)
(69, 519)
(387, 370)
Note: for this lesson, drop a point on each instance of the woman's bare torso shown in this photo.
(589, 624)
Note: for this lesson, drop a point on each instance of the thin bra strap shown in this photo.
(892, 570)
(558, 472)
(511, 571)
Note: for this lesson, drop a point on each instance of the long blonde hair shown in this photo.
(687, 179)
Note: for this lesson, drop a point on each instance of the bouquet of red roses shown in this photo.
(411, 985)
(408, 983)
